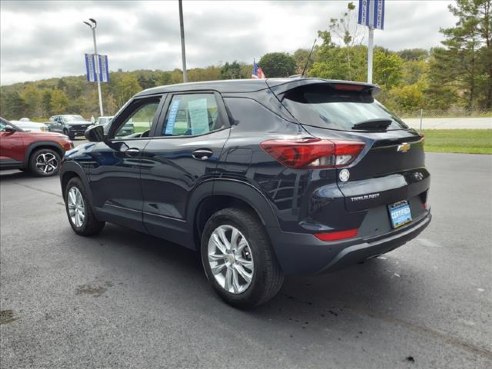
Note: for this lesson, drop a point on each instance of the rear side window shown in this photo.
(324, 106)
(191, 115)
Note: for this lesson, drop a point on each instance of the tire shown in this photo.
(44, 162)
(247, 274)
(79, 212)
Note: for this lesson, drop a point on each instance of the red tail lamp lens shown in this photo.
(337, 235)
(313, 152)
(349, 87)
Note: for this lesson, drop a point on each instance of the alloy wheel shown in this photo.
(46, 163)
(230, 259)
(76, 207)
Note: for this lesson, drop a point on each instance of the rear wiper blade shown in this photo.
(373, 124)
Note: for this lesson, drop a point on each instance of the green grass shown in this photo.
(469, 141)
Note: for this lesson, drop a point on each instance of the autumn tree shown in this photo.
(123, 86)
(58, 102)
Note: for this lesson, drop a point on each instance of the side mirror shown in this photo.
(95, 133)
(10, 129)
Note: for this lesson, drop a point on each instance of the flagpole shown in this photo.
(370, 52)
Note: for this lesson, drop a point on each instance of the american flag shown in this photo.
(257, 71)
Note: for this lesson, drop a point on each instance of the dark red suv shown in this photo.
(39, 152)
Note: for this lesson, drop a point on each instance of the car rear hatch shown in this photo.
(388, 176)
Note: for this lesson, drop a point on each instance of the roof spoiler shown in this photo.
(340, 85)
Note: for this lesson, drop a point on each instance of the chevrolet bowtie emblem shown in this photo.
(404, 147)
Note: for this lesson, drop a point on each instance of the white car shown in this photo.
(27, 125)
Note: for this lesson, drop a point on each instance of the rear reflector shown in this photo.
(313, 152)
(337, 235)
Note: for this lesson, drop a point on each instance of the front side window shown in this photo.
(139, 122)
(3, 124)
(191, 115)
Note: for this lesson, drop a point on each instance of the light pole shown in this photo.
(93, 24)
(183, 53)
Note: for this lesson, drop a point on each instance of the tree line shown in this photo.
(455, 78)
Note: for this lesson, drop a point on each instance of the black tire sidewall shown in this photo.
(35, 155)
(91, 225)
(258, 244)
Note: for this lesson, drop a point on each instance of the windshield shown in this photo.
(323, 106)
(73, 118)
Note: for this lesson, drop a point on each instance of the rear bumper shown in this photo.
(300, 253)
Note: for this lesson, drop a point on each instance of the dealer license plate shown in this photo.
(400, 213)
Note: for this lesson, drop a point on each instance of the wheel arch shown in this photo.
(213, 196)
(42, 145)
(70, 170)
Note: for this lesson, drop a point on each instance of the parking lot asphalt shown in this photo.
(127, 300)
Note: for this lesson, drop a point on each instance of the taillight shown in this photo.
(313, 152)
(348, 87)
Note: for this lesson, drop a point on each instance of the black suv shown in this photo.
(70, 125)
(263, 177)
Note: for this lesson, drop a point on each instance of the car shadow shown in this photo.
(361, 289)
(25, 177)
(14, 174)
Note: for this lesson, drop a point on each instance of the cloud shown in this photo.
(41, 39)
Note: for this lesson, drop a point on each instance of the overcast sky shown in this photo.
(44, 39)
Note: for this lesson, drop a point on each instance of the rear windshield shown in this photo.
(324, 106)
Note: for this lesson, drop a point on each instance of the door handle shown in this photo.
(202, 154)
(132, 152)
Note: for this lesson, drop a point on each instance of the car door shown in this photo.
(55, 125)
(182, 154)
(12, 148)
(116, 164)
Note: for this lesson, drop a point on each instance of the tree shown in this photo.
(301, 58)
(413, 54)
(277, 65)
(341, 56)
(58, 102)
(406, 98)
(12, 105)
(345, 28)
(211, 73)
(465, 64)
(414, 71)
(124, 86)
(32, 97)
(387, 68)
(333, 61)
(230, 71)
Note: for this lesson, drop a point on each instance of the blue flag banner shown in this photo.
(102, 65)
(371, 13)
(103, 68)
(90, 67)
(378, 14)
(363, 12)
